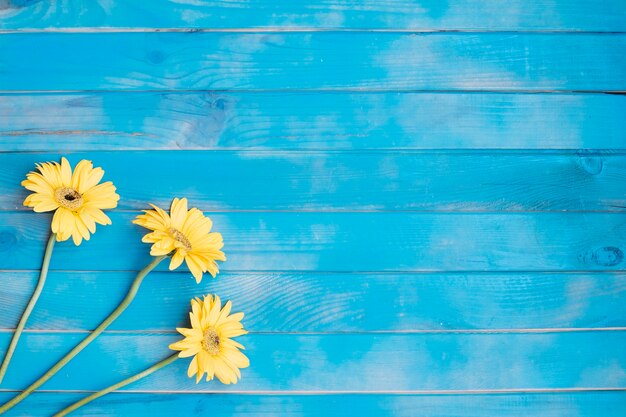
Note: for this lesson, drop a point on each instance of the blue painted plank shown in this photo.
(287, 61)
(580, 404)
(349, 181)
(306, 121)
(340, 362)
(349, 242)
(332, 14)
(281, 302)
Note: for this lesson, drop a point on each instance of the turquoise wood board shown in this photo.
(311, 121)
(348, 242)
(312, 61)
(564, 15)
(369, 363)
(352, 181)
(581, 404)
(422, 202)
(357, 302)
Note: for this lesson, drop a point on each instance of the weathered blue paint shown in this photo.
(349, 241)
(403, 211)
(352, 181)
(343, 362)
(560, 15)
(301, 120)
(580, 404)
(312, 61)
(308, 121)
(359, 302)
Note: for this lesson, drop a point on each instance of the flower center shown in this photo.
(211, 341)
(180, 237)
(68, 198)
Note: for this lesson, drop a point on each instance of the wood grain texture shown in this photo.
(349, 242)
(317, 302)
(422, 201)
(349, 181)
(307, 121)
(340, 363)
(311, 61)
(580, 404)
(333, 14)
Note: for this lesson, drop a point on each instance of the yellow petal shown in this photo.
(233, 332)
(177, 260)
(96, 214)
(196, 270)
(60, 220)
(224, 373)
(237, 358)
(178, 213)
(225, 312)
(102, 196)
(215, 311)
(193, 367)
(194, 320)
(66, 172)
(40, 203)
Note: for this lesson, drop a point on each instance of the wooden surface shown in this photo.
(422, 202)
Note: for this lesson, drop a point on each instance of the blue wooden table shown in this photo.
(422, 202)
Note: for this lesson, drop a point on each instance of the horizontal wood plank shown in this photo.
(348, 242)
(310, 302)
(306, 121)
(339, 363)
(580, 404)
(311, 61)
(331, 14)
(349, 181)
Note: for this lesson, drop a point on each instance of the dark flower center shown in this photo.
(68, 197)
(211, 341)
(181, 238)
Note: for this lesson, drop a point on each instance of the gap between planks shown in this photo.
(331, 272)
(318, 91)
(356, 211)
(381, 332)
(304, 29)
(399, 150)
(368, 392)
(347, 90)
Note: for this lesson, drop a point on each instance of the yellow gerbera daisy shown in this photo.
(209, 341)
(185, 234)
(77, 197)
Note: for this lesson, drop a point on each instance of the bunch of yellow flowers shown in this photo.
(78, 197)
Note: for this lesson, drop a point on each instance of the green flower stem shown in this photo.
(31, 305)
(119, 385)
(106, 323)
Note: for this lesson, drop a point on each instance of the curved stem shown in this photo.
(120, 384)
(30, 306)
(115, 314)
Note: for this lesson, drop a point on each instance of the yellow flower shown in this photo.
(186, 234)
(77, 197)
(209, 341)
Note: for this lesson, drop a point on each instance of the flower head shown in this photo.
(77, 197)
(210, 342)
(186, 235)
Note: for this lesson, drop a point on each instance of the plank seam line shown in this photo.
(354, 392)
(344, 333)
(361, 90)
(305, 29)
(351, 272)
(608, 152)
(319, 90)
(212, 211)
